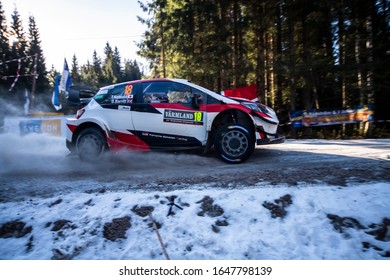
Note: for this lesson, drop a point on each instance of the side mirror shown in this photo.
(194, 100)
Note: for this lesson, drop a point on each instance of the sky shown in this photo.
(81, 26)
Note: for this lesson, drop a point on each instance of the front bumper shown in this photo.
(268, 135)
(267, 141)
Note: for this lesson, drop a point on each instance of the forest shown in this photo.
(301, 54)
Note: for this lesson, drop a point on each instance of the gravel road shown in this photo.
(36, 166)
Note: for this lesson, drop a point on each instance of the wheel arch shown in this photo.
(85, 125)
(232, 116)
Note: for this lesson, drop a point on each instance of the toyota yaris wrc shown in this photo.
(169, 114)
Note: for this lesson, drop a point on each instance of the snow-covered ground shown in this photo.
(242, 228)
(261, 221)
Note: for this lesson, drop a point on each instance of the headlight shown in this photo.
(251, 106)
(256, 108)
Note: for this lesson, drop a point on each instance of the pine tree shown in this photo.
(35, 49)
(18, 45)
(4, 43)
(75, 71)
(116, 65)
(52, 76)
(89, 76)
(19, 42)
(381, 59)
(131, 71)
(96, 71)
(153, 46)
(109, 65)
(4, 49)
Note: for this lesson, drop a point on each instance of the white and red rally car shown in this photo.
(170, 114)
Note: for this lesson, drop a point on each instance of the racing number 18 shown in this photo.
(198, 116)
(128, 89)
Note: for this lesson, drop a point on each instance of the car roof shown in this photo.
(181, 81)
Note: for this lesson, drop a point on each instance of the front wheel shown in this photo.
(234, 143)
(91, 144)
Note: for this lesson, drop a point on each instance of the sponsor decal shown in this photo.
(183, 117)
(164, 136)
(330, 117)
(123, 107)
(117, 99)
(52, 127)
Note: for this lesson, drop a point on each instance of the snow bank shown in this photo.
(228, 224)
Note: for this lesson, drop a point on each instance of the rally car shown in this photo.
(169, 114)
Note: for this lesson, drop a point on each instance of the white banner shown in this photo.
(199, 269)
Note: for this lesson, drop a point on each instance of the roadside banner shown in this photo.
(330, 117)
(54, 125)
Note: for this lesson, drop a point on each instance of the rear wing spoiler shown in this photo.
(80, 95)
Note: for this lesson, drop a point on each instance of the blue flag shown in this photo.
(66, 80)
(55, 99)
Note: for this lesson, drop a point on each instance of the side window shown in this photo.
(169, 92)
(200, 96)
(155, 92)
(119, 94)
(212, 100)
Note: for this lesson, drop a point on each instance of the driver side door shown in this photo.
(165, 117)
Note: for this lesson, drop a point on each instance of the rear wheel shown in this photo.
(91, 144)
(234, 143)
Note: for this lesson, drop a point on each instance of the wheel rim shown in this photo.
(90, 146)
(234, 143)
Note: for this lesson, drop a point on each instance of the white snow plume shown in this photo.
(44, 153)
(12, 104)
(155, 160)
(31, 153)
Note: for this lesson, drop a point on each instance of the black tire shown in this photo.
(234, 143)
(91, 144)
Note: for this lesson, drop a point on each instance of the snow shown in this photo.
(235, 226)
(251, 233)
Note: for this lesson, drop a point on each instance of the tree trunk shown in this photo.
(260, 75)
(291, 67)
(370, 55)
(277, 61)
(235, 67)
